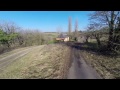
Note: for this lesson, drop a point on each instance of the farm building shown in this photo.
(62, 37)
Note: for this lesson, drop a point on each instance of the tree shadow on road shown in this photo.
(93, 48)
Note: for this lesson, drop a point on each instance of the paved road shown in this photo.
(79, 69)
(5, 61)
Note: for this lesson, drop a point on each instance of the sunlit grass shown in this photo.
(45, 62)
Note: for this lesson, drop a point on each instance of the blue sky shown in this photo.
(46, 21)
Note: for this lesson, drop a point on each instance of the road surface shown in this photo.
(79, 69)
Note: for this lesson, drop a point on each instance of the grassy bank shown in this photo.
(107, 64)
(46, 62)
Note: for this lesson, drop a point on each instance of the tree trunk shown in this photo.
(8, 45)
(98, 42)
(86, 39)
(110, 38)
(111, 25)
(75, 38)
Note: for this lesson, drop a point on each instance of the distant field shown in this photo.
(46, 62)
(52, 34)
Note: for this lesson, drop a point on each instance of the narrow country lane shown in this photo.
(79, 69)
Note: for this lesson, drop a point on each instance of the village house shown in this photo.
(63, 37)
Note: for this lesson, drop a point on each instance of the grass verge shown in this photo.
(46, 62)
(108, 67)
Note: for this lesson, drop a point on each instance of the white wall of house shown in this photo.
(66, 39)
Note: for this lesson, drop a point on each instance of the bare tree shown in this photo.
(95, 30)
(13, 36)
(10, 30)
(87, 35)
(108, 18)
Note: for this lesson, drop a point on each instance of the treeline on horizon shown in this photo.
(13, 36)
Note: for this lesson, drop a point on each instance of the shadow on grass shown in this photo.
(92, 47)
